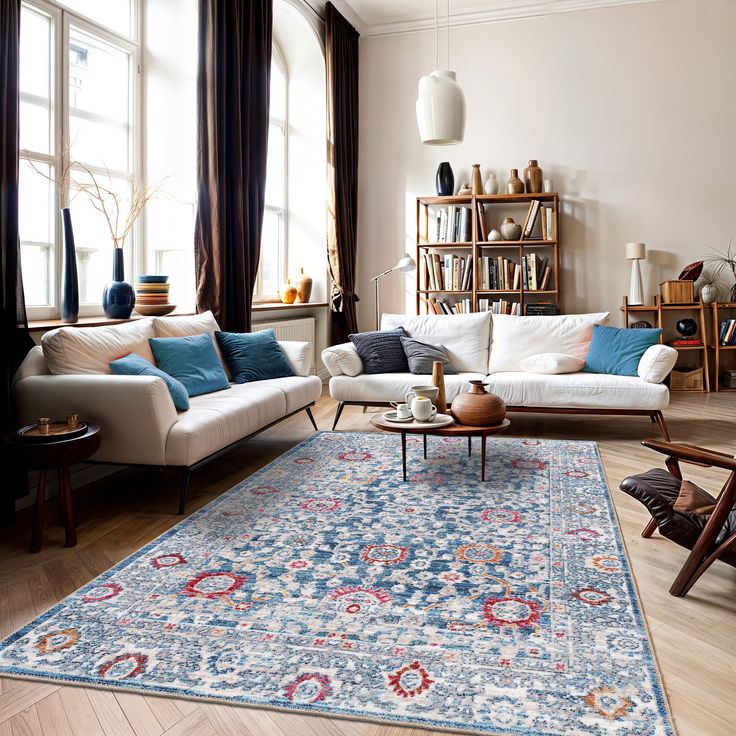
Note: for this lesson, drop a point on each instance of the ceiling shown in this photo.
(383, 17)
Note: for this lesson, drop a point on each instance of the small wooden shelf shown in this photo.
(445, 245)
(444, 291)
(717, 347)
(659, 309)
(515, 243)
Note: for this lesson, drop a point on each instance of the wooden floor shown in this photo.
(694, 638)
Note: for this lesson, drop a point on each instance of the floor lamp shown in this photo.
(406, 264)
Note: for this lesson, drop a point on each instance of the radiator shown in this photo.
(301, 330)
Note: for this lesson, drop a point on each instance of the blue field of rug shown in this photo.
(325, 584)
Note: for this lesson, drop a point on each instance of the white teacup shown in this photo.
(423, 409)
(402, 410)
(429, 392)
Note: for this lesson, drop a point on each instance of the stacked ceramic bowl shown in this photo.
(152, 296)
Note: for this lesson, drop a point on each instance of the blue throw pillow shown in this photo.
(134, 365)
(253, 356)
(617, 351)
(191, 360)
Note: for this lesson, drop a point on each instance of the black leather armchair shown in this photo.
(709, 538)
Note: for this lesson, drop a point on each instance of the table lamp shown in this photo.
(406, 264)
(636, 252)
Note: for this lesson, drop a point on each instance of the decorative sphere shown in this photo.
(687, 327)
(494, 235)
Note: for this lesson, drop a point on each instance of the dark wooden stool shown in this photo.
(59, 454)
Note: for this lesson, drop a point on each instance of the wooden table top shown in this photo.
(449, 430)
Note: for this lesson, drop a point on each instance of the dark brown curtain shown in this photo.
(15, 339)
(232, 101)
(341, 52)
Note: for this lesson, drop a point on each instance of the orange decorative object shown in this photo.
(288, 293)
(478, 408)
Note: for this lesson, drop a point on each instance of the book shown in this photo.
(687, 341)
(531, 218)
(465, 225)
(482, 230)
(541, 308)
(543, 215)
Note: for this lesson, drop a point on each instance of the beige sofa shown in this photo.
(69, 373)
(489, 347)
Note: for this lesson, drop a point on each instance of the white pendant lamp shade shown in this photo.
(440, 109)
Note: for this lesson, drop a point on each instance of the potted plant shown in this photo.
(725, 261)
(708, 287)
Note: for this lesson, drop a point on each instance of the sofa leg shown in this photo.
(183, 489)
(338, 412)
(311, 418)
(649, 529)
(658, 417)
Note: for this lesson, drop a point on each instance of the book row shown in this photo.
(453, 223)
(727, 333)
(500, 306)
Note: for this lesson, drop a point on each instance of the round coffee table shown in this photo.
(49, 454)
(451, 430)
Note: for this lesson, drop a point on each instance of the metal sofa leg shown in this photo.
(338, 413)
(183, 489)
(311, 418)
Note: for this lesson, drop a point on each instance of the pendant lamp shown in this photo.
(440, 100)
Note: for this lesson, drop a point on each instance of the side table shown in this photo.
(450, 430)
(60, 454)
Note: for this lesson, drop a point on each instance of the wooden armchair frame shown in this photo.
(704, 552)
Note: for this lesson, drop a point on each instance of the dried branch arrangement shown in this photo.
(119, 214)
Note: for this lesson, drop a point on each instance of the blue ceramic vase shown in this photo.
(70, 283)
(118, 298)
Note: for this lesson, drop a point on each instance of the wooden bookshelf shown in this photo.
(721, 311)
(495, 208)
(658, 310)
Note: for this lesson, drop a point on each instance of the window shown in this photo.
(79, 103)
(272, 266)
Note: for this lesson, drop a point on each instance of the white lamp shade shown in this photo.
(406, 263)
(636, 251)
(440, 109)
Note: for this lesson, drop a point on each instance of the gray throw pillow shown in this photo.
(421, 355)
(381, 351)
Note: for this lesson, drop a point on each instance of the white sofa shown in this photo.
(69, 374)
(489, 347)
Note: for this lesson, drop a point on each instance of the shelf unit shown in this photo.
(659, 309)
(501, 205)
(717, 347)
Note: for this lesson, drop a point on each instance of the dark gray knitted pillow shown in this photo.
(381, 351)
(421, 355)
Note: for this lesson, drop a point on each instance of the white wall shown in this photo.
(630, 109)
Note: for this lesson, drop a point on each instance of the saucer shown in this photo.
(390, 416)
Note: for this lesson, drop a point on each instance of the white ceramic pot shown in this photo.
(709, 293)
(495, 235)
(423, 409)
(491, 185)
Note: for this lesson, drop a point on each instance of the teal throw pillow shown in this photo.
(134, 365)
(191, 360)
(253, 356)
(617, 351)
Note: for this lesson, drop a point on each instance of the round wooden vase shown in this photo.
(288, 292)
(478, 408)
(303, 287)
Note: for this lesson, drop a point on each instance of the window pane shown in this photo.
(271, 253)
(275, 167)
(36, 223)
(36, 266)
(35, 81)
(278, 91)
(115, 14)
(93, 239)
(99, 105)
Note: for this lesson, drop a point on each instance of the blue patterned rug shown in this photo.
(325, 584)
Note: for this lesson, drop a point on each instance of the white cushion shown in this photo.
(299, 354)
(578, 391)
(656, 363)
(393, 386)
(342, 360)
(299, 391)
(516, 338)
(218, 419)
(465, 337)
(551, 363)
(74, 350)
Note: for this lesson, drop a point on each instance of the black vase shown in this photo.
(118, 298)
(445, 180)
(70, 283)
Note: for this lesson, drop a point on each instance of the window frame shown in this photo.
(62, 19)
(259, 297)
